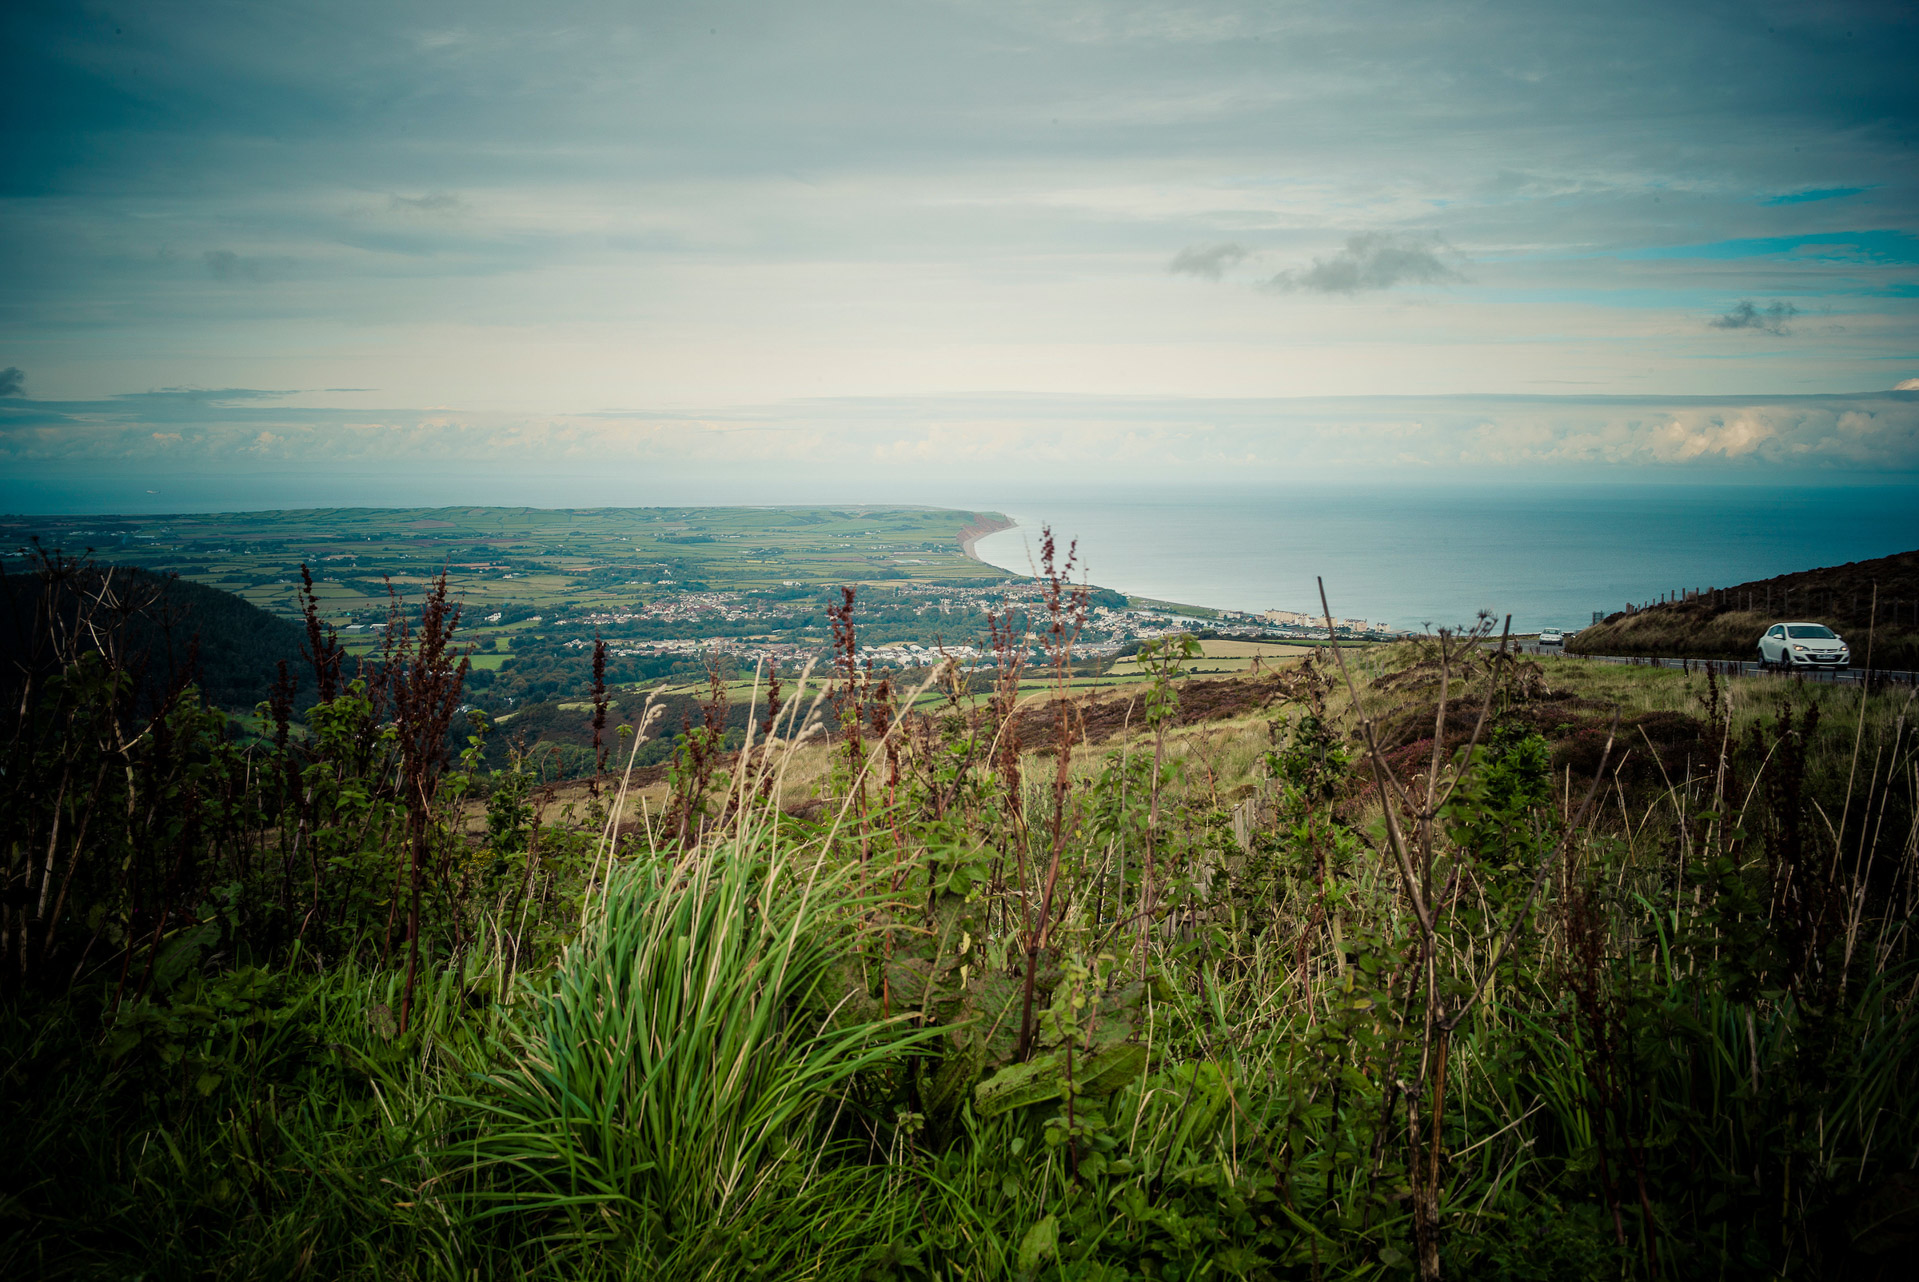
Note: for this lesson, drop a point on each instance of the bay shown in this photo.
(1413, 556)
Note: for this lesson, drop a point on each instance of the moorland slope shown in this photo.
(1877, 599)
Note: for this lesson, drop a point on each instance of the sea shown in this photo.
(1414, 557)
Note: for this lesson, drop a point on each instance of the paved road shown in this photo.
(1732, 668)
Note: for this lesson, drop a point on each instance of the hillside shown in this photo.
(240, 646)
(234, 646)
(1725, 623)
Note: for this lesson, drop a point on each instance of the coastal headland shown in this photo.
(983, 524)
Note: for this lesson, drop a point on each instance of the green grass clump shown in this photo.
(685, 1062)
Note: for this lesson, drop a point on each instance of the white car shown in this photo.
(1552, 636)
(1803, 645)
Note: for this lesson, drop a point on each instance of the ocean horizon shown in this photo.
(1413, 557)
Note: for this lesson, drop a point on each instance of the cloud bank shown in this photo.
(917, 439)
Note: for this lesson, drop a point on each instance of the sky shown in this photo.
(915, 241)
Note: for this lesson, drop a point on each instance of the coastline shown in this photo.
(981, 526)
(994, 523)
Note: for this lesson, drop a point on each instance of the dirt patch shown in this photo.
(1101, 718)
(1096, 719)
(1648, 749)
(1417, 724)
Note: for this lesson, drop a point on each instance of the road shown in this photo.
(1734, 668)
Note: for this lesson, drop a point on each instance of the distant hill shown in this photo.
(235, 646)
(1725, 623)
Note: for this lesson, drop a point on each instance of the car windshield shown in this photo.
(1810, 632)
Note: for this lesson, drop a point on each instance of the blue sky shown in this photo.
(1126, 237)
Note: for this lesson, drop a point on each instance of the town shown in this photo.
(949, 618)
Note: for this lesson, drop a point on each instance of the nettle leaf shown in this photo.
(1043, 1079)
(943, 1088)
(1017, 1085)
(911, 985)
(843, 989)
(380, 1019)
(1118, 1015)
(1040, 1244)
(1110, 1069)
(990, 1011)
(182, 954)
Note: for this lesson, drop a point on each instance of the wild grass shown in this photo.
(1356, 985)
(685, 1061)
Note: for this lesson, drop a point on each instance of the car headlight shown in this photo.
(1799, 647)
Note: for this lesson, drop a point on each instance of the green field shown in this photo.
(667, 590)
(1220, 657)
(523, 562)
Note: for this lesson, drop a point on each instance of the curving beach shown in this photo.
(983, 524)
